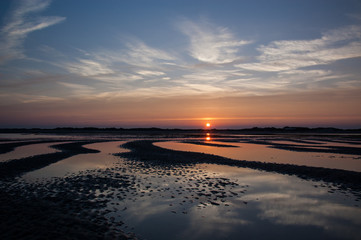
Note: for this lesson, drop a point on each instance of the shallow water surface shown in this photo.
(81, 162)
(263, 153)
(259, 206)
(28, 150)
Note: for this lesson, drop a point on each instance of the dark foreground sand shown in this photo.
(36, 218)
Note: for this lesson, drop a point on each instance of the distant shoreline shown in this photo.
(153, 130)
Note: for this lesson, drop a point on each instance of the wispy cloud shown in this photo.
(150, 73)
(39, 98)
(87, 67)
(211, 44)
(78, 89)
(139, 53)
(131, 66)
(212, 75)
(118, 77)
(19, 24)
(203, 88)
(135, 53)
(291, 54)
(6, 98)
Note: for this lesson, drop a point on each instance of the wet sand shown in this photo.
(63, 208)
(16, 167)
(59, 209)
(175, 187)
(145, 150)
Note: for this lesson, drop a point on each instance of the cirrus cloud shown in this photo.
(19, 24)
(211, 44)
(286, 55)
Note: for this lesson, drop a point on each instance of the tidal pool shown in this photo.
(28, 150)
(264, 153)
(81, 162)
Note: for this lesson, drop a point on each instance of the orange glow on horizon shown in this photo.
(313, 109)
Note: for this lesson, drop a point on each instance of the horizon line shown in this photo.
(175, 128)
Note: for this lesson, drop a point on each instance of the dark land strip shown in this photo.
(20, 166)
(144, 150)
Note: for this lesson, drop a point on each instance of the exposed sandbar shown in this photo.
(290, 147)
(145, 150)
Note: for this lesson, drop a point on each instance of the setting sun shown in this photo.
(208, 125)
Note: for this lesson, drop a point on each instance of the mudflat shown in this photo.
(115, 186)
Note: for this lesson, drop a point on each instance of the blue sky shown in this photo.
(127, 53)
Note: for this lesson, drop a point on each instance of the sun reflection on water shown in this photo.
(208, 137)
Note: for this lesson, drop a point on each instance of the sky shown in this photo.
(180, 64)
